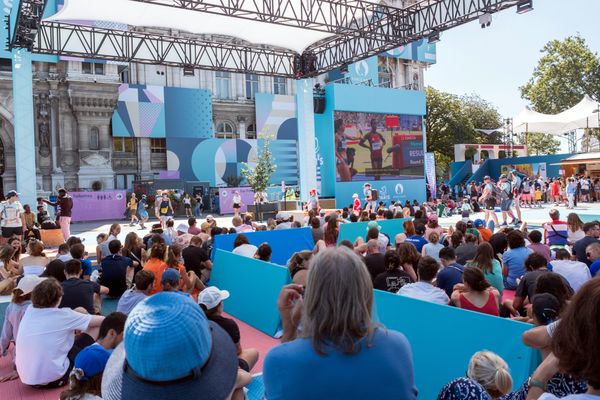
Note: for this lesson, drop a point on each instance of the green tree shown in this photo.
(258, 177)
(453, 120)
(567, 71)
(539, 143)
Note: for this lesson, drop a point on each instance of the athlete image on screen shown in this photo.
(376, 142)
(341, 147)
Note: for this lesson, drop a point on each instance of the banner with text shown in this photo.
(96, 206)
(226, 199)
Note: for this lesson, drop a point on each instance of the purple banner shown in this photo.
(226, 199)
(168, 174)
(96, 206)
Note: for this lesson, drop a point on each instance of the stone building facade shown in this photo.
(74, 102)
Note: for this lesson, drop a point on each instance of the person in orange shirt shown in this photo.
(485, 232)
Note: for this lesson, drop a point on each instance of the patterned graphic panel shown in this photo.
(276, 117)
(216, 160)
(158, 112)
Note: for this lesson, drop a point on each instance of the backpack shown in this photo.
(374, 194)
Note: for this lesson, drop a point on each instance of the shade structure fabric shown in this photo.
(584, 114)
(159, 14)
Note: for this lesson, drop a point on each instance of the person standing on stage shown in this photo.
(370, 204)
(157, 200)
(356, 204)
(517, 191)
(313, 201)
(133, 206)
(199, 205)
(187, 205)
(237, 203)
(376, 143)
(12, 217)
(142, 211)
(64, 205)
(165, 210)
(488, 198)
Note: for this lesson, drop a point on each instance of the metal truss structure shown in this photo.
(359, 29)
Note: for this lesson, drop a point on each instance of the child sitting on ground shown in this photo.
(101, 238)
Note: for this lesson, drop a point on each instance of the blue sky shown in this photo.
(493, 62)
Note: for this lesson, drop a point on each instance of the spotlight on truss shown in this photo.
(524, 6)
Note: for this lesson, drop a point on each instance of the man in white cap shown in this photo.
(211, 301)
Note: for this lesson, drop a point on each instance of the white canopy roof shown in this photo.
(140, 14)
(583, 115)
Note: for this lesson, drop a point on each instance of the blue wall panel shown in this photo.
(254, 287)
(444, 338)
(284, 242)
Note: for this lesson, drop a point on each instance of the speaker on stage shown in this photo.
(319, 104)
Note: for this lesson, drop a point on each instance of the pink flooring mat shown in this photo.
(15, 390)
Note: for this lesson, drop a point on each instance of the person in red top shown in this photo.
(376, 143)
(476, 293)
(356, 205)
(555, 191)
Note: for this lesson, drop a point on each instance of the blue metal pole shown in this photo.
(307, 158)
(24, 129)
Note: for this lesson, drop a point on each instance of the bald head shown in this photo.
(373, 246)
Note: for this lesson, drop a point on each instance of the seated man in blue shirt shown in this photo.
(170, 282)
(452, 272)
(78, 253)
(117, 271)
(418, 240)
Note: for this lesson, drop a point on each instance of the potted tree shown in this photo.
(258, 177)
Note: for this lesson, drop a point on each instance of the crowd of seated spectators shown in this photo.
(170, 338)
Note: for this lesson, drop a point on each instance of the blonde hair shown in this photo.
(434, 237)
(35, 248)
(236, 221)
(338, 301)
(490, 371)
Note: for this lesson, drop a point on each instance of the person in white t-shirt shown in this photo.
(575, 347)
(423, 289)
(12, 219)
(575, 272)
(242, 246)
(46, 341)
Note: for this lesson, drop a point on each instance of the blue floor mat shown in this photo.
(256, 388)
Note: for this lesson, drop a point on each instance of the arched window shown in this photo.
(251, 132)
(94, 138)
(225, 130)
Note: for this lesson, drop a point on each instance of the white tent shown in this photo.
(584, 114)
